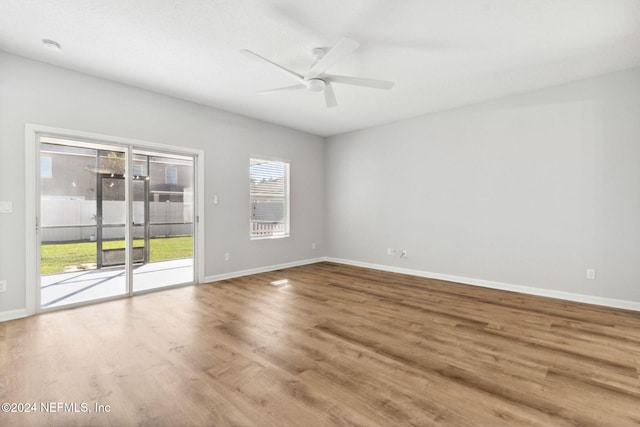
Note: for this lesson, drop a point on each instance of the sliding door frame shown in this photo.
(32, 215)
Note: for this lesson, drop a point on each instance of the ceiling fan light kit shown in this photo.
(315, 85)
(315, 80)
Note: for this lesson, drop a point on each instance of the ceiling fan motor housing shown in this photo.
(315, 85)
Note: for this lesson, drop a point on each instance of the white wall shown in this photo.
(36, 93)
(530, 190)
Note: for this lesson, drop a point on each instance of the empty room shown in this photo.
(318, 213)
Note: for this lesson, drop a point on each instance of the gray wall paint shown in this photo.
(530, 190)
(36, 93)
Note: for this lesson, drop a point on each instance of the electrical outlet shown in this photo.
(227, 256)
(389, 251)
(591, 273)
(3, 286)
(313, 246)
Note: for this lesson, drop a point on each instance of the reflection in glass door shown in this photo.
(87, 195)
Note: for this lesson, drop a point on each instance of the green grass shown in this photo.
(54, 257)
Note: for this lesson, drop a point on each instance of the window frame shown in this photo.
(286, 197)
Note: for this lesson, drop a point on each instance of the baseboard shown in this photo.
(265, 269)
(569, 296)
(13, 314)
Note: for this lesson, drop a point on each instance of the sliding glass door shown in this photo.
(113, 221)
(82, 222)
(163, 219)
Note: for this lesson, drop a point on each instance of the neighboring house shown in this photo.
(73, 174)
(74, 179)
(267, 204)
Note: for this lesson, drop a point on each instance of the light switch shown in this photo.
(6, 207)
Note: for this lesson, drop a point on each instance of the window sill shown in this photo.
(279, 236)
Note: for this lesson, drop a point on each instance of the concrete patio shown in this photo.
(86, 285)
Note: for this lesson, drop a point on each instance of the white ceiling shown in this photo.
(440, 53)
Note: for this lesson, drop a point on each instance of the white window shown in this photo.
(269, 199)
(46, 167)
(170, 175)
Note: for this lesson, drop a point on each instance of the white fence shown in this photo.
(75, 219)
(265, 229)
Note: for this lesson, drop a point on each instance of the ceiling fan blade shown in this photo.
(335, 54)
(358, 81)
(282, 89)
(330, 96)
(286, 71)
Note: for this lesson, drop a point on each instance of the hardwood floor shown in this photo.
(336, 345)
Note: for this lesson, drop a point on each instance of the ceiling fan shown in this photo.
(315, 80)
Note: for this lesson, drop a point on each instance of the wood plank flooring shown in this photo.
(335, 345)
